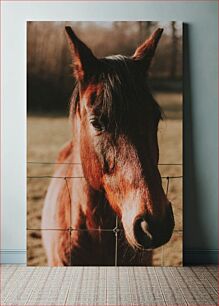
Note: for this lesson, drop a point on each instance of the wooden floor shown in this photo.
(108, 286)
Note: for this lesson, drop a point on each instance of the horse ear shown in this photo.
(82, 57)
(145, 52)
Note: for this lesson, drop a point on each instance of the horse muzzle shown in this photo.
(151, 232)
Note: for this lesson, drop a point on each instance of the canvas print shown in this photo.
(104, 143)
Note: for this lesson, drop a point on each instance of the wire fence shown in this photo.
(114, 230)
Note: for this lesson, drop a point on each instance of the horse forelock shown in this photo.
(121, 91)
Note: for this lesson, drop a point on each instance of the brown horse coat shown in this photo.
(109, 168)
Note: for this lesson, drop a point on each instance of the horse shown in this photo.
(110, 204)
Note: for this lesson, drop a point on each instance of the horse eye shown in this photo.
(97, 124)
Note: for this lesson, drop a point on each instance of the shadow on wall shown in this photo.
(191, 211)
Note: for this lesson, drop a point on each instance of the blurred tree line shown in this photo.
(49, 72)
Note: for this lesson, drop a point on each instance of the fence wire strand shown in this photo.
(58, 163)
(75, 177)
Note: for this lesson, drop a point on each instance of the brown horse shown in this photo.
(113, 158)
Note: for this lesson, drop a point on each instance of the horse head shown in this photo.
(117, 134)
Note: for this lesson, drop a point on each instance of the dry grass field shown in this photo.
(45, 137)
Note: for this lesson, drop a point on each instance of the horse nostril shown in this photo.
(142, 233)
(144, 227)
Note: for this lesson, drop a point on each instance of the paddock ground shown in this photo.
(45, 136)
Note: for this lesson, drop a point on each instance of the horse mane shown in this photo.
(122, 90)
